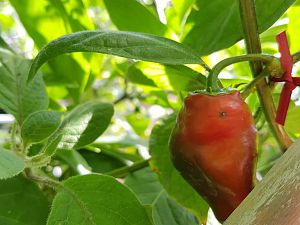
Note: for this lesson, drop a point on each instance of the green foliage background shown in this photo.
(74, 104)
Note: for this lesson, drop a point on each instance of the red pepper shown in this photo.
(213, 145)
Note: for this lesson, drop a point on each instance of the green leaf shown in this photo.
(73, 14)
(83, 125)
(40, 125)
(170, 178)
(297, 3)
(101, 162)
(149, 191)
(144, 183)
(293, 119)
(167, 211)
(101, 200)
(16, 96)
(292, 28)
(10, 164)
(22, 203)
(176, 77)
(137, 76)
(181, 7)
(120, 43)
(216, 24)
(160, 97)
(47, 20)
(139, 122)
(177, 14)
(4, 45)
(270, 34)
(118, 10)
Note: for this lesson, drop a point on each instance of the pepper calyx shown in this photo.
(221, 91)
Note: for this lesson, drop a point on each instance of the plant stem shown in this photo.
(257, 114)
(124, 171)
(212, 79)
(296, 57)
(251, 87)
(205, 66)
(42, 180)
(123, 97)
(261, 125)
(249, 22)
(13, 137)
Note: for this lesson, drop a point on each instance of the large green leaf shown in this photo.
(83, 125)
(16, 96)
(40, 125)
(216, 24)
(149, 191)
(101, 200)
(22, 203)
(170, 178)
(146, 22)
(126, 44)
(10, 164)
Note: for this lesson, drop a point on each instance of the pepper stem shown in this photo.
(212, 79)
(251, 87)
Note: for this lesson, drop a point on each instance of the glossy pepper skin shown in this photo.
(213, 145)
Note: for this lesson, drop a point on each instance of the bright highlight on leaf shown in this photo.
(83, 125)
(166, 77)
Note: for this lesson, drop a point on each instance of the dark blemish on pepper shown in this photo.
(222, 114)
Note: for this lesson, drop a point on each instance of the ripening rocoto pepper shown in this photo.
(213, 146)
